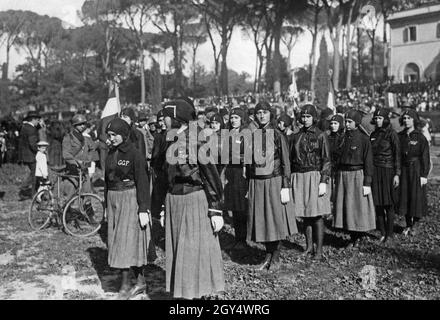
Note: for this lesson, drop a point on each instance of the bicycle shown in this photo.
(81, 216)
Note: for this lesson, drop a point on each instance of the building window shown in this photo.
(411, 73)
(410, 34)
(438, 30)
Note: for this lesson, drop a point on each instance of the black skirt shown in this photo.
(384, 193)
(236, 188)
(412, 197)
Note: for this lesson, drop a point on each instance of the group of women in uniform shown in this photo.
(303, 176)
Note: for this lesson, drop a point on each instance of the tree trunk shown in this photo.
(373, 69)
(349, 52)
(336, 54)
(359, 56)
(216, 76)
(277, 55)
(224, 66)
(8, 48)
(194, 67)
(141, 67)
(260, 71)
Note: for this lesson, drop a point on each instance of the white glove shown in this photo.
(366, 190)
(396, 181)
(322, 189)
(144, 218)
(423, 181)
(162, 218)
(217, 223)
(285, 196)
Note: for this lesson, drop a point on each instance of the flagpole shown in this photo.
(116, 82)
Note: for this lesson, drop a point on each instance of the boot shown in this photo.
(319, 234)
(275, 263)
(141, 285)
(390, 222)
(124, 291)
(309, 237)
(266, 262)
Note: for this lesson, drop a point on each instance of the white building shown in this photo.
(415, 44)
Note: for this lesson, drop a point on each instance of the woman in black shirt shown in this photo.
(127, 201)
(386, 160)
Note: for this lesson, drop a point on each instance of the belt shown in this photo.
(348, 167)
(121, 185)
(409, 161)
(305, 169)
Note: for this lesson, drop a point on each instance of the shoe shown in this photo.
(275, 263)
(405, 231)
(318, 257)
(124, 294)
(138, 289)
(266, 263)
(239, 245)
(382, 239)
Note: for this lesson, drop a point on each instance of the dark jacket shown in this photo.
(137, 138)
(335, 141)
(386, 148)
(27, 143)
(76, 147)
(309, 151)
(125, 169)
(158, 154)
(185, 178)
(356, 154)
(277, 163)
(415, 147)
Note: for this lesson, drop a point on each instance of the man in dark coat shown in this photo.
(27, 149)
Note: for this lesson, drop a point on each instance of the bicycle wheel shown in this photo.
(40, 210)
(83, 215)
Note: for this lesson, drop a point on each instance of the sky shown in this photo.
(241, 53)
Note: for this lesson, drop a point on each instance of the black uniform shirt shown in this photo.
(356, 154)
(125, 164)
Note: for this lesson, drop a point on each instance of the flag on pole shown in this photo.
(391, 100)
(111, 110)
(331, 97)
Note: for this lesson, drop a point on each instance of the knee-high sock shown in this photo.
(318, 230)
(390, 221)
(380, 217)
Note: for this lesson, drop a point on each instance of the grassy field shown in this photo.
(52, 265)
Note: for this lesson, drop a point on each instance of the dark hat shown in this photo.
(32, 115)
(309, 109)
(160, 114)
(216, 117)
(118, 126)
(223, 111)
(338, 118)
(354, 115)
(326, 113)
(180, 110)
(78, 119)
(129, 112)
(263, 105)
(382, 112)
(412, 113)
(239, 112)
(142, 116)
(285, 118)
